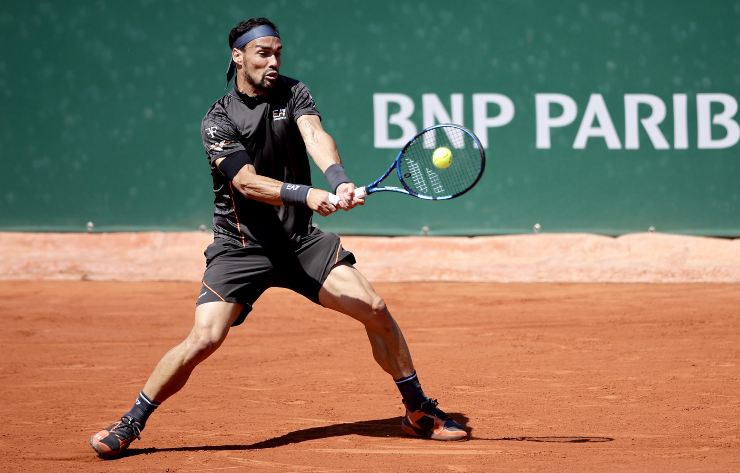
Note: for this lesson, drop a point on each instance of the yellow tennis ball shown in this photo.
(442, 157)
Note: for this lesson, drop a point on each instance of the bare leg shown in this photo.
(347, 291)
(212, 323)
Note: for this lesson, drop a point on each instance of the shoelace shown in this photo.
(433, 409)
(126, 427)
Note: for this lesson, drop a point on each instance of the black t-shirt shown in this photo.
(264, 127)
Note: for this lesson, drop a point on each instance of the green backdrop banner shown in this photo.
(607, 117)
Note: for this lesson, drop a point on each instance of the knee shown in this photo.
(201, 343)
(378, 307)
(378, 316)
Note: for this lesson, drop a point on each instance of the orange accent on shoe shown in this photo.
(115, 439)
(430, 422)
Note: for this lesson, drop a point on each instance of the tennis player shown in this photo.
(257, 140)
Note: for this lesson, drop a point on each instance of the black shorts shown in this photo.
(241, 274)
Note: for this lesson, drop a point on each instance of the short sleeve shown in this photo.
(220, 136)
(303, 103)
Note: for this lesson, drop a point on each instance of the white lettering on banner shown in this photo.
(596, 110)
(482, 122)
(434, 112)
(402, 119)
(393, 116)
(705, 120)
(632, 103)
(545, 122)
(680, 122)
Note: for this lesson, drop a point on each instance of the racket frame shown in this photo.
(373, 186)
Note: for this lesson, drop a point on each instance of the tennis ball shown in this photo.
(442, 157)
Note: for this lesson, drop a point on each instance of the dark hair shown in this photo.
(247, 25)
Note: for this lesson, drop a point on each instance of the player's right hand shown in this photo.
(347, 197)
(318, 201)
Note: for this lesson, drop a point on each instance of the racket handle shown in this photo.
(360, 192)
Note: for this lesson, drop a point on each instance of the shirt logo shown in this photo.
(220, 145)
(211, 130)
(280, 114)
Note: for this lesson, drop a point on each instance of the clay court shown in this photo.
(564, 377)
(577, 308)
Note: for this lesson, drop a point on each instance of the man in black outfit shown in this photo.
(257, 138)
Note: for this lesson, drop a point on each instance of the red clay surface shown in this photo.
(550, 377)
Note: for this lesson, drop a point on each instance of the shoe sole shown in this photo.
(446, 436)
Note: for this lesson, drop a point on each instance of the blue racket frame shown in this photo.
(373, 186)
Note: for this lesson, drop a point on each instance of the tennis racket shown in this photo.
(440, 163)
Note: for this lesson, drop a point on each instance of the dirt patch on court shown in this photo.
(549, 377)
(644, 257)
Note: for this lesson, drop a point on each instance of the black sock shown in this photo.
(413, 395)
(142, 409)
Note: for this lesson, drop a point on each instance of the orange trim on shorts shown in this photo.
(339, 248)
(209, 288)
(238, 225)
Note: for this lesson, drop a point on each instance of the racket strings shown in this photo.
(419, 173)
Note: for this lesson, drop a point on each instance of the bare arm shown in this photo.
(323, 150)
(319, 144)
(266, 189)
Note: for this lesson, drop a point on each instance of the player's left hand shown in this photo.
(347, 198)
(320, 202)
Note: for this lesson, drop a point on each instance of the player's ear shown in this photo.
(237, 56)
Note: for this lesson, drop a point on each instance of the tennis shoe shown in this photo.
(430, 422)
(115, 439)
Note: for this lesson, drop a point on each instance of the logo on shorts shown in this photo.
(206, 292)
(211, 130)
(280, 114)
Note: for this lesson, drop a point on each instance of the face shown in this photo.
(261, 63)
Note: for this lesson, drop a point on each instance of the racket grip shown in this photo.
(360, 192)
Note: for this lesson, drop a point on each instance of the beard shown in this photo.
(262, 83)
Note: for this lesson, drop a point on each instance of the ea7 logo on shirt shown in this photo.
(279, 114)
(211, 130)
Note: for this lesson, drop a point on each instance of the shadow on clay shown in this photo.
(385, 428)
